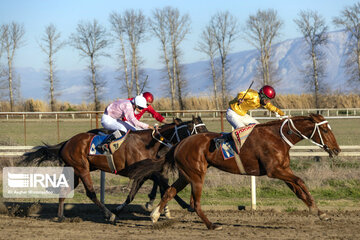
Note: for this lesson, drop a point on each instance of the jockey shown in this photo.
(114, 114)
(237, 112)
(149, 99)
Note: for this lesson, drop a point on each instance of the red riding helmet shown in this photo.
(267, 91)
(148, 96)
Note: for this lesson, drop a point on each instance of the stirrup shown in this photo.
(103, 147)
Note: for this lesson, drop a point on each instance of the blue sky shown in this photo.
(66, 14)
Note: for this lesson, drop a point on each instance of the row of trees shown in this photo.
(131, 28)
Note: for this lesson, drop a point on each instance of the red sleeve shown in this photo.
(155, 114)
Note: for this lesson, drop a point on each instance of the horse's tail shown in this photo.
(43, 154)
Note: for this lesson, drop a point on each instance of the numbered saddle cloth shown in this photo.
(113, 146)
(230, 147)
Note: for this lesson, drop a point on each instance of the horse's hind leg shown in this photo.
(298, 186)
(90, 192)
(176, 187)
(196, 190)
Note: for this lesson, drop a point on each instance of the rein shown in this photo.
(175, 134)
(292, 125)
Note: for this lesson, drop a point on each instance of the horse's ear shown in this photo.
(177, 121)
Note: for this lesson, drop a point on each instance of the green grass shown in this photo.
(38, 131)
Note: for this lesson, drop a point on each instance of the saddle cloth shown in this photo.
(113, 146)
(230, 148)
(98, 139)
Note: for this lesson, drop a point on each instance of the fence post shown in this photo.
(253, 193)
(222, 121)
(102, 173)
(57, 128)
(24, 118)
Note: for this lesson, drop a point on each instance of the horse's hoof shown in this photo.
(191, 209)
(324, 217)
(155, 214)
(167, 213)
(215, 227)
(112, 218)
(149, 206)
(61, 219)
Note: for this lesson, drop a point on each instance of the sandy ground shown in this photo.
(85, 221)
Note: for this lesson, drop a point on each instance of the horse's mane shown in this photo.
(276, 122)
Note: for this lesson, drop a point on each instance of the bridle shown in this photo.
(168, 143)
(291, 126)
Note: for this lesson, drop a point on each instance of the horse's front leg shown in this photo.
(135, 186)
(298, 186)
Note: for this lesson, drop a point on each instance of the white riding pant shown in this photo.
(114, 124)
(237, 120)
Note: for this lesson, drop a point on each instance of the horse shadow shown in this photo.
(74, 212)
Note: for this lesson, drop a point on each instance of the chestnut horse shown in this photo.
(265, 152)
(139, 146)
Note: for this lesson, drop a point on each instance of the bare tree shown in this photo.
(118, 28)
(12, 35)
(314, 28)
(135, 25)
(91, 39)
(224, 27)
(50, 45)
(171, 29)
(349, 19)
(261, 30)
(207, 45)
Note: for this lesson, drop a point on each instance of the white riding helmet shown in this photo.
(140, 101)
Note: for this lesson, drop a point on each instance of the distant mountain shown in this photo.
(288, 56)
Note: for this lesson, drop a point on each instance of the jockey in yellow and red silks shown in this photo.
(238, 107)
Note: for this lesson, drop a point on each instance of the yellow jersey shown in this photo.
(251, 101)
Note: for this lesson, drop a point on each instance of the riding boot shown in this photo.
(104, 146)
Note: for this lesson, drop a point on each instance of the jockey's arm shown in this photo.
(274, 109)
(155, 114)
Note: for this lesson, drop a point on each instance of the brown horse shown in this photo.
(139, 146)
(265, 152)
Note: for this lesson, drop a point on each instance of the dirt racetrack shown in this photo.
(84, 221)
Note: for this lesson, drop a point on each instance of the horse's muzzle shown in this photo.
(332, 152)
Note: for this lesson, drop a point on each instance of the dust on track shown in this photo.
(85, 221)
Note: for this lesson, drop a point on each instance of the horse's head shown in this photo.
(323, 135)
(178, 130)
(196, 126)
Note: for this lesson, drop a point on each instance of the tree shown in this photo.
(11, 38)
(261, 30)
(135, 25)
(171, 29)
(224, 28)
(314, 28)
(349, 19)
(118, 28)
(207, 45)
(130, 29)
(91, 39)
(50, 45)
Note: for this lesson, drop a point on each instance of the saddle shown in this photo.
(113, 147)
(231, 143)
